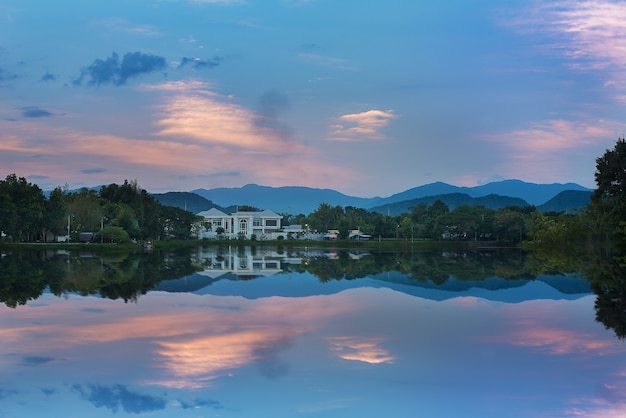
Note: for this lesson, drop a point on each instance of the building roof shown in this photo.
(270, 214)
(212, 213)
(216, 213)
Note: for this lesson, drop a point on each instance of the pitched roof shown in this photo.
(270, 214)
(212, 213)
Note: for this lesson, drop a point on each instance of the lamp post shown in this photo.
(102, 229)
(68, 228)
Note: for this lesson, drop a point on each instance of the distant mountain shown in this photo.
(534, 194)
(432, 189)
(567, 201)
(452, 200)
(290, 199)
(191, 202)
(295, 199)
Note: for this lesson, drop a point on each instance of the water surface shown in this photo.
(241, 332)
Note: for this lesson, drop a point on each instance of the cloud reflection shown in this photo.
(187, 351)
(196, 362)
(116, 396)
(360, 349)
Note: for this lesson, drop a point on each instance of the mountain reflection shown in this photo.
(26, 275)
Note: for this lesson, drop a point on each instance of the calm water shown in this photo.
(241, 332)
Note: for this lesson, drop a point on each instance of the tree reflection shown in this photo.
(23, 278)
(26, 274)
(434, 266)
(608, 281)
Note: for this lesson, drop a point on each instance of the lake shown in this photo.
(307, 332)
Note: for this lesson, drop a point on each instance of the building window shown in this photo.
(271, 222)
(256, 222)
(243, 226)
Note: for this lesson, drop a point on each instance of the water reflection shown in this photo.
(224, 332)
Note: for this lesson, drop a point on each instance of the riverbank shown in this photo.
(383, 245)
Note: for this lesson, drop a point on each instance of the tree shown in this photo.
(610, 196)
(23, 207)
(509, 224)
(55, 213)
(115, 234)
(325, 217)
(85, 210)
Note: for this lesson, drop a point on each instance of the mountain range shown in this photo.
(294, 199)
(495, 289)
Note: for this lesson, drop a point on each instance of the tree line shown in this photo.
(115, 213)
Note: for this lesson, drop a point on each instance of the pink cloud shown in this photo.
(198, 132)
(591, 35)
(545, 149)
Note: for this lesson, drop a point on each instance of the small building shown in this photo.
(357, 235)
(87, 237)
(332, 234)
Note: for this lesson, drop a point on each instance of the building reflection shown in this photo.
(250, 262)
(240, 261)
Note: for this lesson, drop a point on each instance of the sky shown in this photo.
(369, 98)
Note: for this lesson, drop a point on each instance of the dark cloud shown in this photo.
(93, 171)
(48, 77)
(6, 75)
(35, 112)
(310, 46)
(48, 391)
(112, 71)
(116, 396)
(36, 361)
(269, 361)
(137, 63)
(93, 310)
(269, 108)
(200, 64)
(7, 392)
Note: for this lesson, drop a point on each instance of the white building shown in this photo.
(217, 224)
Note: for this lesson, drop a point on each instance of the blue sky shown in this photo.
(368, 98)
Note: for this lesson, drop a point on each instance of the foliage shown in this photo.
(609, 198)
(118, 213)
(22, 208)
(114, 234)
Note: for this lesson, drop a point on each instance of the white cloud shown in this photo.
(361, 126)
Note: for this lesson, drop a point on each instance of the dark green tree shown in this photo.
(85, 211)
(22, 208)
(55, 212)
(325, 217)
(609, 198)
